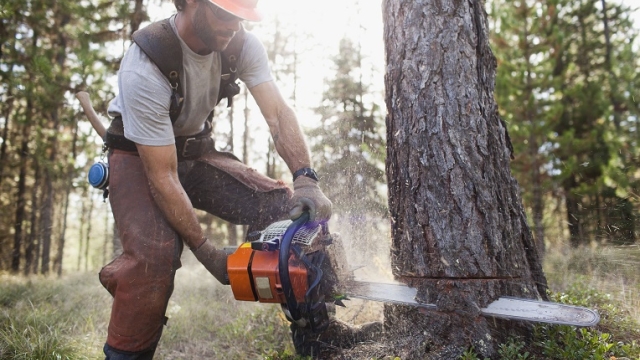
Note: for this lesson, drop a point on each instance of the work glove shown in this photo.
(307, 196)
(213, 260)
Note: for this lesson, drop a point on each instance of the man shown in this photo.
(155, 185)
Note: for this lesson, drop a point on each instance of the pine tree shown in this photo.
(566, 86)
(348, 145)
(49, 51)
(522, 76)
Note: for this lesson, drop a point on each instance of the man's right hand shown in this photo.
(213, 260)
(307, 196)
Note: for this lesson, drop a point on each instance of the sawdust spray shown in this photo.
(366, 239)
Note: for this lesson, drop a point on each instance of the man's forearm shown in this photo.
(174, 203)
(289, 141)
(291, 146)
(283, 125)
(160, 165)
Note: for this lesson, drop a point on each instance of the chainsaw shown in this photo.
(303, 268)
(292, 263)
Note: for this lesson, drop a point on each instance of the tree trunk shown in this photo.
(20, 201)
(574, 215)
(81, 225)
(88, 235)
(46, 220)
(246, 136)
(47, 216)
(459, 231)
(48, 204)
(246, 133)
(59, 42)
(105, 244)
(30, 258)
(5, 130)
(67, 192)
(137, 16)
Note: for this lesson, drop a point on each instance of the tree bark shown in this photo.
(46, 221)
(7, 109)
(88, 235)
(137, 16)
(63, 229)
(246, 133)
(20, 200)
(30, 252)
(459, 231)
(105, 244)
(47, 216)
(573, 206)
(81, 226)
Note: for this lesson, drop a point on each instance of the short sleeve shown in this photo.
(143, 101)
(253, 63)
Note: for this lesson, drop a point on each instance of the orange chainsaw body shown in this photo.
(254, 276)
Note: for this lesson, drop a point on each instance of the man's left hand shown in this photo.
(307, 196)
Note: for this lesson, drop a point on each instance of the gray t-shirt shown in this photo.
(144, 94)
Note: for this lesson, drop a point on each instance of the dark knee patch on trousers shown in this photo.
(225, 196)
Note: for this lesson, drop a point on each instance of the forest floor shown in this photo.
(66, 318)
(45, 318)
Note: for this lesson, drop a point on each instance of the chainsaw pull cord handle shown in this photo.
(283, 264)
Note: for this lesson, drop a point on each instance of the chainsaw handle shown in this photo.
(283, 264)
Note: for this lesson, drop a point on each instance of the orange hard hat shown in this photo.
(244, 9)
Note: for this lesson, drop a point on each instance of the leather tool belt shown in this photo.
(187, 147)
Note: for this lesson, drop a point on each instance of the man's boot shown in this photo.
(113, 354)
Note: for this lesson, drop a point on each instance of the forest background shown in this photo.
(567, 87)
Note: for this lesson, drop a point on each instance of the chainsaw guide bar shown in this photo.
(505, 307)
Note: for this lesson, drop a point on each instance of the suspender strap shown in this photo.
(161, 45)
(229, 74)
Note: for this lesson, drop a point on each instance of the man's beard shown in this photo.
(207, 35)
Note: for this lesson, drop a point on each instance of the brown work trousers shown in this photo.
(141, 278)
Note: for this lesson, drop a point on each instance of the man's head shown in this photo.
(212, 23)
(244, 9)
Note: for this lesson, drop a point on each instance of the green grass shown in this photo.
(46, 318)
(614, 272)
(50, 318)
